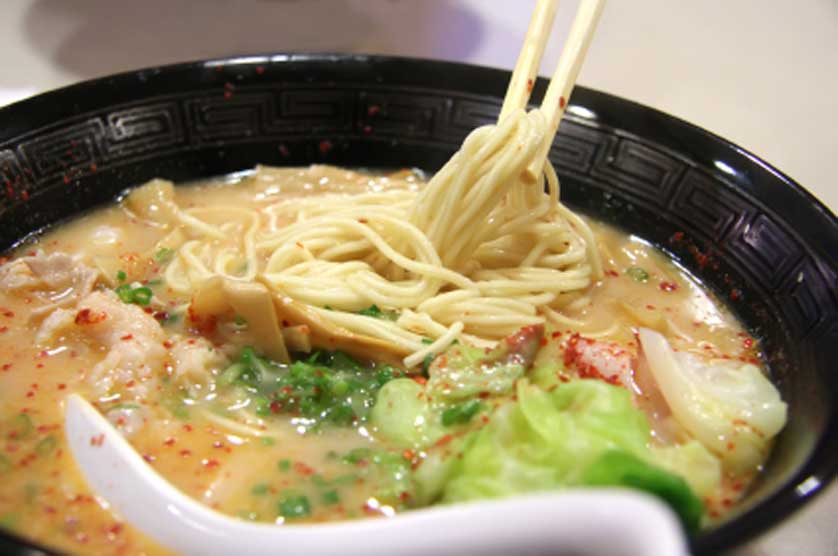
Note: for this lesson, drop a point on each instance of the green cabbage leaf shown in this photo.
(582, 433)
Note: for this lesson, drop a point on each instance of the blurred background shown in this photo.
(762, 73)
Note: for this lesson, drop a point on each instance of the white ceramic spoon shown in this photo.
(579, 522)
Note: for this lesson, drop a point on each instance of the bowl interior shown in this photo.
(748, 232)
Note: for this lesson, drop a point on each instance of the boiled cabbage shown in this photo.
(733, 410)
(403, 415)
(546, 440)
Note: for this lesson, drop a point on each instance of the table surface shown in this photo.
(762, 73)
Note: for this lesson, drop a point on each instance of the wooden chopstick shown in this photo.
(564, 78)
(529, 59)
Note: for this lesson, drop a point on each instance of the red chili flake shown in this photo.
(373, 110)
(303, 469)
(169, 441)
(562, 102)
(668, 286)
(228, 95)
(444, 440)
(66, 179)
(161, 315)
(748, 343)
(168, 345)
(127, 337)
(210, 463)
(556, 334)
(217, 444)
(62, 386)
(4, 329)
(187, 428)
(363, 220)
(93, 167)
(97, 440)
(185, 453)
(325, 146)
(408, 454)
(260, 70)
(529, 86)
(735, 295)
(367, 130)
(24, 195)
(8, 313)
(275, 406)
(148, 310)
(420, 379)
(677, 236)
(30, 394)
(731, 446)
(612, 273)
(149, 458)
(115, 529)
(404, 496)
(86, 316)
(542, 341)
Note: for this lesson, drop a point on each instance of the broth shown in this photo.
(274, 468)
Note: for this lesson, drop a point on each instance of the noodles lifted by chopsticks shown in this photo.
(484, 249)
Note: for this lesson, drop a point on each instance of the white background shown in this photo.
(762, 73)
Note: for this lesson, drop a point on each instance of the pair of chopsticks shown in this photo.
(564, 77)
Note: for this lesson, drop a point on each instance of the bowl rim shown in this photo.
(819, 469)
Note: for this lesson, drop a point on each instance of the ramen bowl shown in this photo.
(748, 232)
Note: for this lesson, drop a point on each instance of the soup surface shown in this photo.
(100, 306)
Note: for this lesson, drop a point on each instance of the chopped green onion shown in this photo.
(142, 295)
(139, 295)
(164, 255)
(461, 413)
(284, 465)
(357, 455)
(125, 293)
(9, 520)
(46, 446)
(426, 363)
(22, 426)
(294, 506)
(371, 311)
(267, 441)
(121, 276)
(240, 321)
(330, 497)
(427, 341)
(375, 311)
(260, 489)
(637, 274)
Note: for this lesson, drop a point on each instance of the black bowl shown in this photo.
(749, 232)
